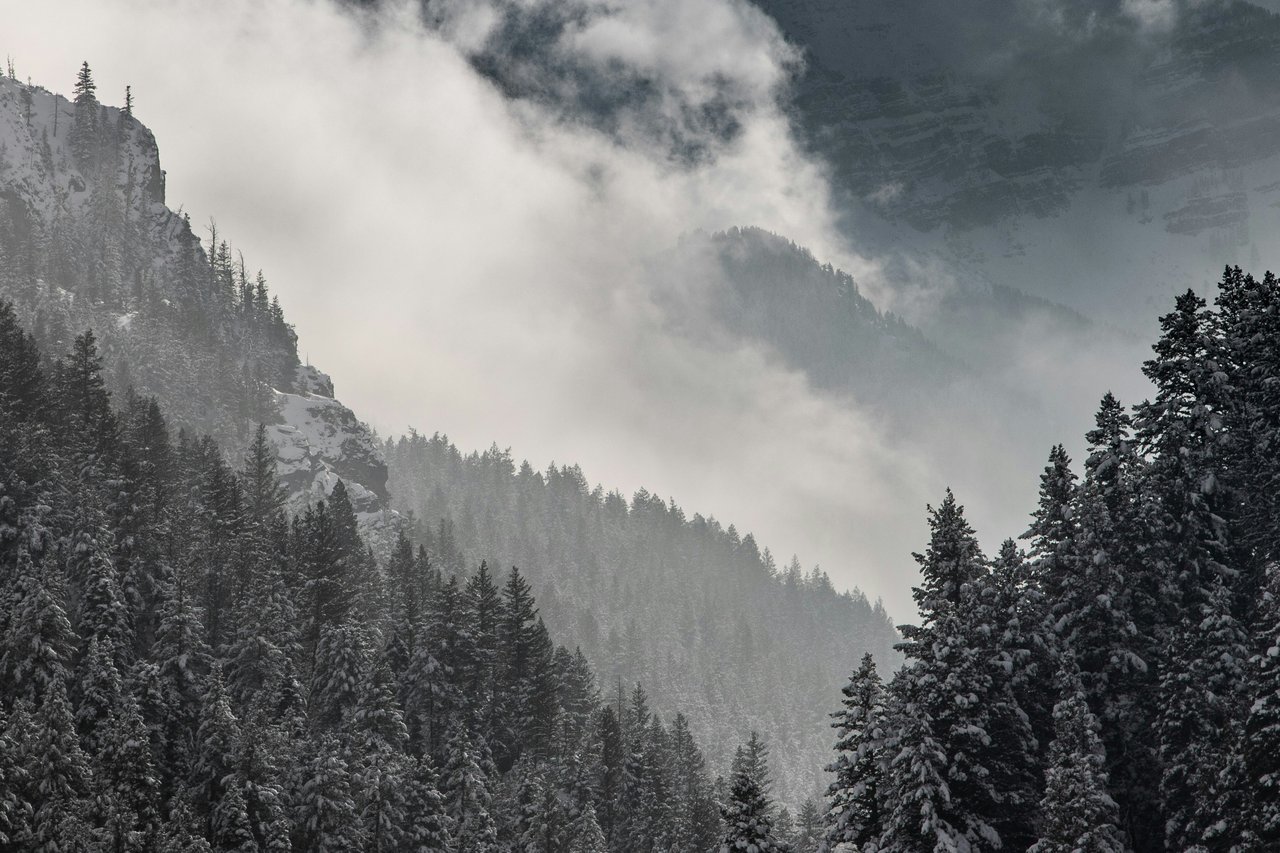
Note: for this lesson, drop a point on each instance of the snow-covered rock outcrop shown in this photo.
(321, 441)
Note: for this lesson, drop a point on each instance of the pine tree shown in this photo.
(99, 695)
(748, 827)
(484, 601)
(103, 614)
(1054, 527)
(610, 782)
(217, 744)
(1078, 813)
(342, 659)
(917, 793)
(261, 666)
(407, 604)
(377, 716)
(951, 562)
(15, 809)
(124, 769)
(753, 759)
(1126, 586)
(39, 641)
(60, 776)
(696, 821)
(1262, 728)
(520, 647)
(434, 700)
(854, 795)
(586, 834)
(427, 830)
(1182, 429)
(1200, 722)
(84, 130)
(178, 835)
(956, 732)
(232, 831)
(465, 787)
(181, 662)
(326, 819)
(270, 749)
(809, 828)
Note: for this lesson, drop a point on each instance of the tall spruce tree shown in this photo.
(854, 795)
(748, 827)
(1079, 815)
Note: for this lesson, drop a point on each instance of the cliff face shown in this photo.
(90, 243)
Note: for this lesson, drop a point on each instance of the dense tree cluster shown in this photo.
(1116, 688)
(183, 666)
(696, 611)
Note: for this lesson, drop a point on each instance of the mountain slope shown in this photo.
(86, 241)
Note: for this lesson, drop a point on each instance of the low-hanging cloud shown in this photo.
(473, 261)
(465, 263)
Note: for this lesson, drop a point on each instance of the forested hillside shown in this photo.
(184, 666)
(700, 613)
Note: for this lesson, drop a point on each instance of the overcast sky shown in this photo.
(461, 264)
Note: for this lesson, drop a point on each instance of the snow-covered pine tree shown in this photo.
(465, 787)
(15, 809)
(1077, 813)
(60, 776)
(1261, 748)
(84, 129)
(586, 834)
(1053, 528)
(326, 819)
(231, 828)
(180, 663)
(39, 642)
(748, 827)
(217, 746)
(99, 694)
(810, 831)
(1202, 713)
(695, 818)
(520, 646)
(916, 794)
(854, 795)
(961, 774)
(428, 824)
(342, 659)
(178, 834)
(125, 775)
